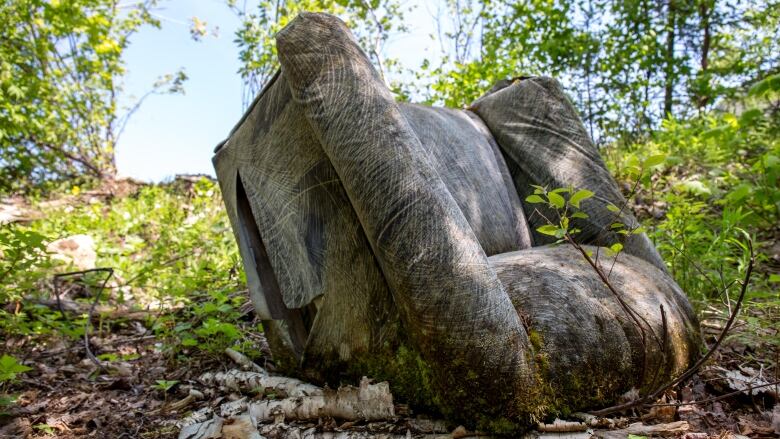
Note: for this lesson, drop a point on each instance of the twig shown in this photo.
(729, 323)
(696, 266)
(144, 271)
(716, 398)
(626, 307)
(691, 370)
(633, 316)
(664, 348)
(88, 323)
(617, 215)
(59, 302)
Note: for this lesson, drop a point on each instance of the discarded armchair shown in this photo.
(392, 240)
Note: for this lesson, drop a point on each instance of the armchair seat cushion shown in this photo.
(581, 334)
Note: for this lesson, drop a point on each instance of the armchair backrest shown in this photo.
(469, 162)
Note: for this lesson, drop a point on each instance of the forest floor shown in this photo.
(122, 381)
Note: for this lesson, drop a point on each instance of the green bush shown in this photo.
(172, 251)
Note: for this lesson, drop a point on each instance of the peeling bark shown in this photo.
(369, 402)
(260, 383)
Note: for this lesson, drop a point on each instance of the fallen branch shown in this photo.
(750, 388)
(102, 344)
(243, 427)
(369, 402)
(193, 396)
(106, 311)
(640, 429)
(199, 416)
(88, 324)
(211, 429)
(234, 408)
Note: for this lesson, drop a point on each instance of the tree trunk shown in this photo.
(671, 25)
(705, 12)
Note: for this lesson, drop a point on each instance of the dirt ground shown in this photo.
(67, 395)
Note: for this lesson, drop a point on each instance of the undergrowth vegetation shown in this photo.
(173, 257)
(720, 177)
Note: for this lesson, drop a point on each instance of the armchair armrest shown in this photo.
(450, 299)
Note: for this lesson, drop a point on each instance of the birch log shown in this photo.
(243, 381)
(368, 402)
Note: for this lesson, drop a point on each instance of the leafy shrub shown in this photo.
(172, 251)
(721, 177)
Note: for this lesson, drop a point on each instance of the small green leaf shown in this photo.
(548, 229)
(189, 342)
(695, 186)
(15, 91)
(110, 357)
(617, 226)
(533, 199)
(654, 160)
(739, 192)
(5, 401)
(580, 195)
(616, 248)
(612, 208)
(633, 171)
(165, 385)
(46, 428)
(748, 117)
(10, 367)
(766, 85)
(556, 200)
(581, 215)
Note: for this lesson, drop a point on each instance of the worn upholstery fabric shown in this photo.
(391, 240)
(550, 147)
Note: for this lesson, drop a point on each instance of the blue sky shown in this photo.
(175, 134)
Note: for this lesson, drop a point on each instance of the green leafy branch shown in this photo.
(566, 209)
(566, 204)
